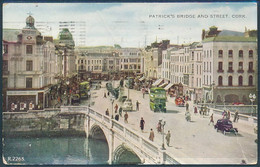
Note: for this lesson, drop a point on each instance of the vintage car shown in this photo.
(225, 125)
(75, 99)
(179, 101)
(127, 106)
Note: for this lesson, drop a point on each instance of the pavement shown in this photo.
(193, 142)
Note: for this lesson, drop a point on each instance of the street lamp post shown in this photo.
(252, 98)
(112, 102)
(163, 148)
(212, 93)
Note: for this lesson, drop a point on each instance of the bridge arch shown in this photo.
(125, 155)
(96, 132)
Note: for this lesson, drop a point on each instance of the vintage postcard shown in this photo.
(129, 83)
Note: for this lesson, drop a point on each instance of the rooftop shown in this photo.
(230, 39)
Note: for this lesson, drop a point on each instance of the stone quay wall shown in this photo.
(42, 123)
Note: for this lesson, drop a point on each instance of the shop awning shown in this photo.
(141, 79)
(168, 86)
(157, 82)
(163, 85)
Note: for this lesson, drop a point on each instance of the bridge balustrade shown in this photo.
(106, 119)
(241, 116)
(147, 148)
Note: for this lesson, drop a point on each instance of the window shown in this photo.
(29, 49)
(5, 49)
(230, 53)
(220, 66)
(28, 82)
(230, 81)
(220, 53)
(240, 53)
(81, 61)
(29, 65)
(240, 80)
(250, 53)
(192, 55)
(250, 80)
(230, 66)
(220, 81)
(250, 67)
(240, 66)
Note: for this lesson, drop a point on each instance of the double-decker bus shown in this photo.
(158, 99)
(84, 88)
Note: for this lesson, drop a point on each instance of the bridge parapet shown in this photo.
(150, 152)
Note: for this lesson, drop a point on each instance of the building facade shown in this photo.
(29, 67)
(229, 67)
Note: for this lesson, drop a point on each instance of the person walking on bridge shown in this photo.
(126, 117)
(168, 137)
(107, 112)
(187, 106)
(211, 120)
(142, 122)
(116, 107)
(236, 116)
(120, 111)
(137, 105)
(151, 136)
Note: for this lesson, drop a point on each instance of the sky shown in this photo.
(137, 24)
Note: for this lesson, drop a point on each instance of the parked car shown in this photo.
(127, 106)
(225, 125)
(75, 99)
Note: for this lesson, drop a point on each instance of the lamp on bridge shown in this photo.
(252, 98)
(112, 102)
(163, 148)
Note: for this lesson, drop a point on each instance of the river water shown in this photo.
(61, 150)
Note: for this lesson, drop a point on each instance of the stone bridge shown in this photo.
(126, 146)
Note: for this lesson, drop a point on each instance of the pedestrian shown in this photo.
(195, 110)
(151, 136)
(168, 137)
(116, 107)
(236, 116)
(120, 111)
(159, 126)
(117, 117)
(107, 112)
(224, 114)
(211, 119)
(108, 93)
(228, 114)
(142, 122)
(105, 95)
(126, 117)
(137, 105)
(187, 106)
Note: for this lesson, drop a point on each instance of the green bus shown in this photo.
(158, 99)
(84, 88)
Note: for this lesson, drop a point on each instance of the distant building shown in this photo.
(77, 29)
(98, 63)
(64, 47)
(29, 67)
(152, 56)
